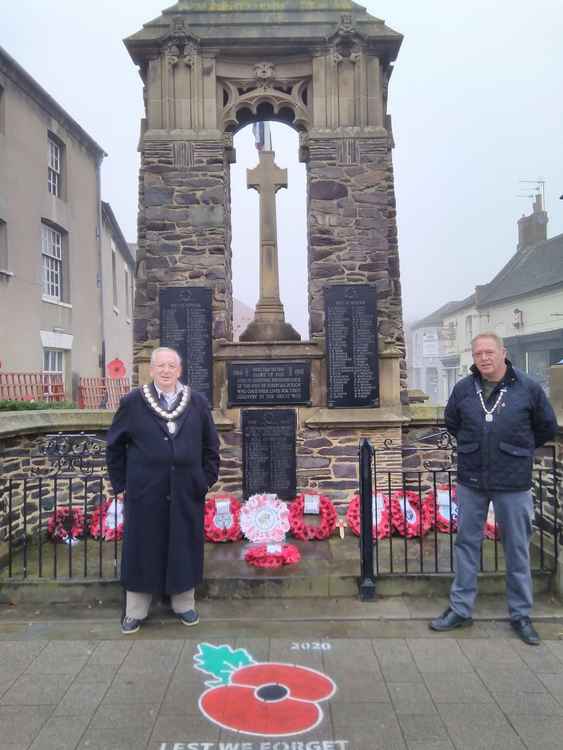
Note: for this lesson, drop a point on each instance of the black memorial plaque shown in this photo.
(351, 345)
(268, 448)
(269, 382)
(185, 325)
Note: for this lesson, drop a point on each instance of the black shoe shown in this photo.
(130, 625)
(450, 620)
(189, 618)
(525, 631)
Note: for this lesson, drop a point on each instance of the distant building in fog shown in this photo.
(523, 303)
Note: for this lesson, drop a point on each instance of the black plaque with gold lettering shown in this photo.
(268, 448)
(351, 345)
(269, 382)
(185, 325)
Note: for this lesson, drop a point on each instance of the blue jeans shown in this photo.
(514, 513)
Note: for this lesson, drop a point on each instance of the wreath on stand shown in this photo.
(410, 517)
(66, 525)
(381, 515)
(491, 530)
(444, 508)
(221, 521)
(106, 521)
(272, 555)
(307, 531)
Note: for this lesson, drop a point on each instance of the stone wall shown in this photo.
(184, 231)
(327, 459)
(352, 228)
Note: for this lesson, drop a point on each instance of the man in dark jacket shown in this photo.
(162, 457)
(499, 416)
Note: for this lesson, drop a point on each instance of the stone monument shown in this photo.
(209, 69)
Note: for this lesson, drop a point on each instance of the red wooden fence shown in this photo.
(102, 393)
(31, 386)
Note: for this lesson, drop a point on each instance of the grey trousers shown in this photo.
(137, 605)
(514, 513)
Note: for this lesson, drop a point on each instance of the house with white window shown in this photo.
(118, 284)
(52, 239)
(523, 304)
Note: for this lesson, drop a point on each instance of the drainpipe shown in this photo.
(100, 276)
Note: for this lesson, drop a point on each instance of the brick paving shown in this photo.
(69, 680)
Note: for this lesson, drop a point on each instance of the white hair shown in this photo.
(164, 349)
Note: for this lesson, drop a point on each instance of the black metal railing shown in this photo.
(59, 521)
(410, 513)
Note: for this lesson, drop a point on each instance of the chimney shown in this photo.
(533, 228)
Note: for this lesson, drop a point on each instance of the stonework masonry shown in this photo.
(352, 228)
(184, 231)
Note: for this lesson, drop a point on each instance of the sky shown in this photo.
(476, 99)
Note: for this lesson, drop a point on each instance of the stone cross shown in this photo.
(269, 319)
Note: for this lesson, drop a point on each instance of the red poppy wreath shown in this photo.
(107, 520)
(221, 521)
(409, 518)
(381, 515)
(272, 555)
(66, 525)
(491, 530)
(307, 531)
(444, 507)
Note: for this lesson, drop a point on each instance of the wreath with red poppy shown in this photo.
(99, 525)
(445, 522)
(262, 556)
(306, 531)
(410, 519)
(491, 530)
(381, 521)
(66, 524)
(229, 530)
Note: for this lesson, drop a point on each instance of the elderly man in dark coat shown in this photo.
(162, 457)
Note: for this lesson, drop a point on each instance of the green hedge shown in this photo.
(34, 405)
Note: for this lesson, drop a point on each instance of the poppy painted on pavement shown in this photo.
(270, 699)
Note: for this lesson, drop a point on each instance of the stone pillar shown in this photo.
(184, 229)
(352, 225)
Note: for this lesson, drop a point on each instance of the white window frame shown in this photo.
(52, 263)
(127, 282)
(114, 277)
(4, 265)
(55, 361)
(54, 169)
(2, 105)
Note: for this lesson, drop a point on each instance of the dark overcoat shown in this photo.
(165, 478)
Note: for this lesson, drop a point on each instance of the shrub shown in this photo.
(35, 405)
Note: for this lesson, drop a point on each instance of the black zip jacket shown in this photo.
(498, 454)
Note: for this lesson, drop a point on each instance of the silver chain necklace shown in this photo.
(169, 416)
(489, 413)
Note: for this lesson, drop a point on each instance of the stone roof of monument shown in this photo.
(263, 23)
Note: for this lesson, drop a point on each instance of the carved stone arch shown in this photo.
(244, 95)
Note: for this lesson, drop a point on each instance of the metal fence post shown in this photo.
(367, 576)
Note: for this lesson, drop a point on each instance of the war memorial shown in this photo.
(290, 412)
